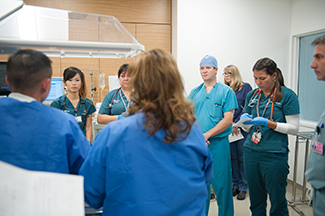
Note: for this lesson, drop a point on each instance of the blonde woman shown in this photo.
(233, 79)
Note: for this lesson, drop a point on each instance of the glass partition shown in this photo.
(66, 34)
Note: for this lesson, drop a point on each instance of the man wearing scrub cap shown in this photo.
(215, 104)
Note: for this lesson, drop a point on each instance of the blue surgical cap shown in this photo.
(209, 60)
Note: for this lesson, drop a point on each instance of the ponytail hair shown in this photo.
(280, 76)
(270, 67)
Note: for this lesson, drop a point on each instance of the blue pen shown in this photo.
(322, 126)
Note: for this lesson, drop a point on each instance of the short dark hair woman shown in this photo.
(116, 101)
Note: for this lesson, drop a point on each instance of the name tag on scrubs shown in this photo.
(78, 118)
(318, 147)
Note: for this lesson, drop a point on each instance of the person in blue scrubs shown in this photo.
(215, 104)
(116, 101)
(155, 160)
(75, 101)
(315, 173)
(35, 136)
(273, 110)
(233, 79)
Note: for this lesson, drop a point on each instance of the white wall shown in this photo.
(235, 32)
(308, 17)
(240, 32)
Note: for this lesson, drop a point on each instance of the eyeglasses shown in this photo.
(226, 74)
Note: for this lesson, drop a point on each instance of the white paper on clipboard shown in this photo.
(29, 193)
(233, 138)
(240, 123)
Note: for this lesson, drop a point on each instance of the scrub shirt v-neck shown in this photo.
(84, 107)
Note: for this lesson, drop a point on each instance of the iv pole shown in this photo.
(91, 82)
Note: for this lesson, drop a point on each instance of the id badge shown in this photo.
(78, 118)
(256, 137)
(318, 147)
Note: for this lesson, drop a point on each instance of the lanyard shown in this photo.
(111, 103)
(81, 100)
(126, 108)
(258, 103)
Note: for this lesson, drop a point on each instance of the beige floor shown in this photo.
(241, 207)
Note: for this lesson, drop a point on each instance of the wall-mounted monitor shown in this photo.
(4, 88)
(56, 89)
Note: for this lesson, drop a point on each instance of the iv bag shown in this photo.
(102, 80)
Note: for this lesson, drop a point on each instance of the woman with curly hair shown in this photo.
(154, 161)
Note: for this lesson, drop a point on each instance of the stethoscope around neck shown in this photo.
(258, 93)
(111, 103)
(81, 101)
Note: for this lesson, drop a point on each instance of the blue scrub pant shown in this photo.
(267, 174)
(319, 202)
(237, 164)
(222, 181)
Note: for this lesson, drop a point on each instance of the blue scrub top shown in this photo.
(210, 108)
(38, 137)
(271, 141)
(85, 107)
(117, 103)
(146, 177)
(315, 173)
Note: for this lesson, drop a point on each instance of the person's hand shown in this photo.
(257, 121)
(121, 116)
(245, 115)
(206, 139)
(235, 131)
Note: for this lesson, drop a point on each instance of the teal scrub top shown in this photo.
(315, 173)
(210, 108)
(118, 107)
(271, 141)
(85, 107)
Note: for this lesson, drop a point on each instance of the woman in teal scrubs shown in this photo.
(74, 102)
(116, 101)
(274, 113)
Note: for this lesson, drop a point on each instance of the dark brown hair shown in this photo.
(70, 72)
(27, 68)
(270, 67)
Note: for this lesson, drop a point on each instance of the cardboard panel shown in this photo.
(56, 69)
(154, 36)
(143, 11)
(4, 57)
